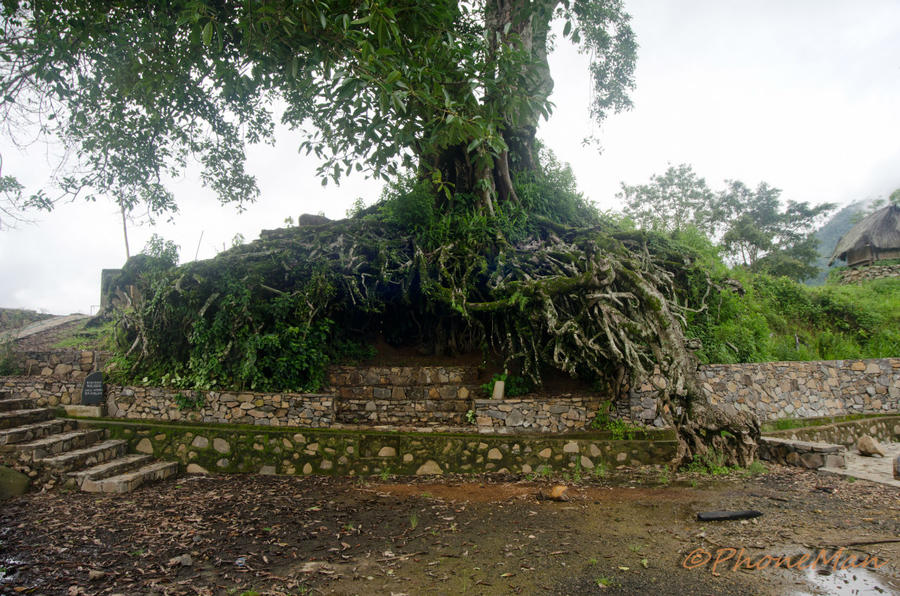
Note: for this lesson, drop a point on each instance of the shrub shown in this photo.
(8, 363)
(514, 385)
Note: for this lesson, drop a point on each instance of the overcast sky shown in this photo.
(801, 94)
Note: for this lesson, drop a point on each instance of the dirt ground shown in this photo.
(635, 533)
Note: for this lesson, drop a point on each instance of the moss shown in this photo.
(794, 423)
(356, 452)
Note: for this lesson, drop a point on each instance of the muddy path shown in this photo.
(630, 534)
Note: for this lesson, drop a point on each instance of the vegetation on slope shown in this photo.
(775, 318)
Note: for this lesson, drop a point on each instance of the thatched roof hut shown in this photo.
(875, 238)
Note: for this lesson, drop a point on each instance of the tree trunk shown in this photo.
(509, 25)
(125, 230)
(525, 26)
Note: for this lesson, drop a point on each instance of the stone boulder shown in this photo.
(868, 446)
(12, 483)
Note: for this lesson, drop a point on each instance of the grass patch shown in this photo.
(711, 463)
(792, 423)
(85, 337)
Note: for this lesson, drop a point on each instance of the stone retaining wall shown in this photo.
(46, 391)
(860, 274)
(547, 414)
(391, 376)
(884, 429)
(445, 397)
(803, 454)
(774, 390)
(308, 451)
(403, 395)
(65, 365)
(263, 409)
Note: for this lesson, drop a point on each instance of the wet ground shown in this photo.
(633, 534)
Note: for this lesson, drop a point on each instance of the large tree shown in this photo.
(477, 247)
(450, 90)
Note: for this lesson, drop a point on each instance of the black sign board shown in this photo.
(92, 391)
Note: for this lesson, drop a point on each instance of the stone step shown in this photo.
(14, 418)
(19, 403)
(31, 432)
(89, 456)
(35, 451)
(85, 479)
(125, 483)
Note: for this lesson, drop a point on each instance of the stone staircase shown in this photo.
(404, 395)
(55, 451)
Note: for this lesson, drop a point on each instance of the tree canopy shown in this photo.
(450, 90)
(480, 243)
(751, 225)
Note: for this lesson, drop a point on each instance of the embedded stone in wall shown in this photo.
(429, 468)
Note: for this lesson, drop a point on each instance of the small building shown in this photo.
(875, 238)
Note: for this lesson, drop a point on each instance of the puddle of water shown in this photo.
(849, 581)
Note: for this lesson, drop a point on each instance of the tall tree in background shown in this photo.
(764, 235)
(751, 225)
(671, 202)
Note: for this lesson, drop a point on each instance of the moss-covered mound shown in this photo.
(547, 283)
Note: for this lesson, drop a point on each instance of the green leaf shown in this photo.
(567, 29)
(207, 34)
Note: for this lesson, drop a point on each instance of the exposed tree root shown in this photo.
(596, 303)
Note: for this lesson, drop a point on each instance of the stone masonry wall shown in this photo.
(46, 391)
(272, 450)
(440, 398)
(860, 274)
(803, 454)
(403, 395)
(65, 365)
(543, 414)
(774, 390)
(263, 409)
(883, 428)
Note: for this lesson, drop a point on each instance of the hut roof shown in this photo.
(880, 230)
